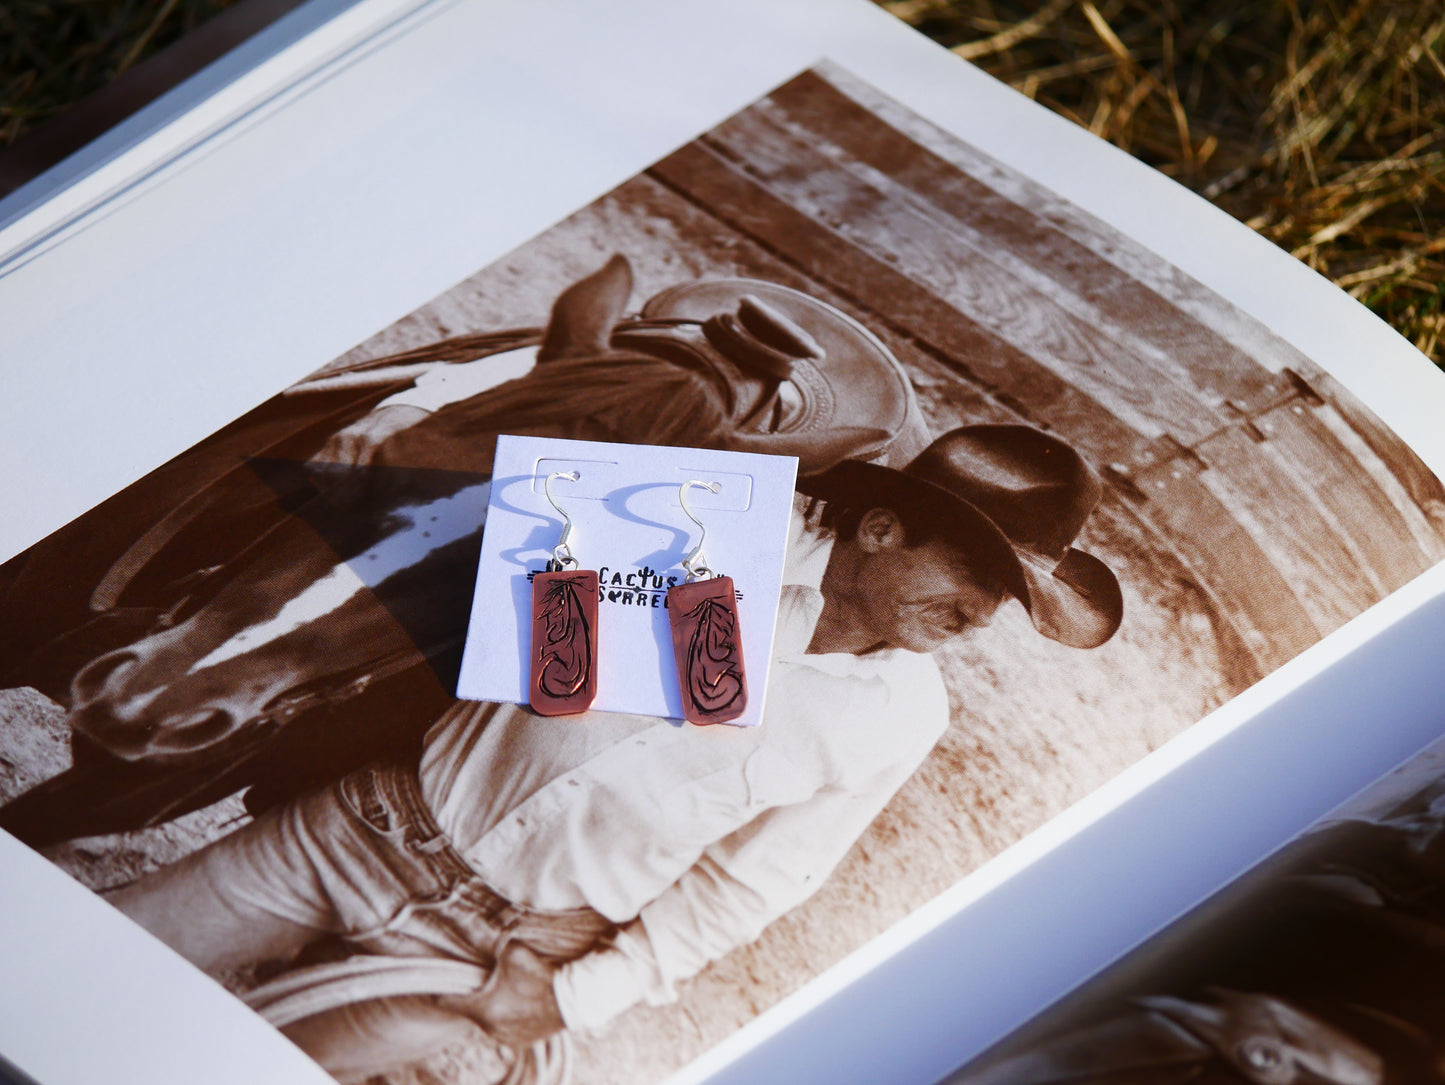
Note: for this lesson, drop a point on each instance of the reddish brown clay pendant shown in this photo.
(707, 639)
(707, 642)
(564, 641)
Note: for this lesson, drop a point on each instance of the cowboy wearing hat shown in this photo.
(985, 511)
(585, 869)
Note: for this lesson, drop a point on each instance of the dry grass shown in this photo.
(1320, 123)
(55, 52)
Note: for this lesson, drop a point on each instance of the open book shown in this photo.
(1169, 600)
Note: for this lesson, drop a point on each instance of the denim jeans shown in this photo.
(362, 859)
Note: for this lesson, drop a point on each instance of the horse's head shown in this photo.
(142, 701)
(194, 684)
(292, 625)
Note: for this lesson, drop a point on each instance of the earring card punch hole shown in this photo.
(734, 490)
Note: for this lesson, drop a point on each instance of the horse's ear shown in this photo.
(585, 313)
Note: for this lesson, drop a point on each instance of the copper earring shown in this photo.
(706, 635)
(564, 625)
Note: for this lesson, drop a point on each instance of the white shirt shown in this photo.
(693, 839)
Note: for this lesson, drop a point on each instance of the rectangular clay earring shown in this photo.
(564, 626)
(706, 634)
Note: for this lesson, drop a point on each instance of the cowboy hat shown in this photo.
(802, 377)
(1019, 494)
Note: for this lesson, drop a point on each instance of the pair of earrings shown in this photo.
(703, 612)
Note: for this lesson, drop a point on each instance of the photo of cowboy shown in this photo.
(1055, 503)
(369, 861)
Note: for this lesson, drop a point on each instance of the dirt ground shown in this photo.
(35, 745)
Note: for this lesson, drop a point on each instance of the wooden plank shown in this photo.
(1148, 397)
(1406, 472)
(1237, 327)
(671, 239)
(947, 401)
(895, 302)
(1348, 492)
(1284, 516)
(1158, 579)
(880, 154)
(1424, 519)
(1227, 560)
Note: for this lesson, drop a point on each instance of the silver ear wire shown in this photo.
(561, 553)
(695, 563)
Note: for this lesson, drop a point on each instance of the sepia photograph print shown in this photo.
(1319, 965)
(1056, 503)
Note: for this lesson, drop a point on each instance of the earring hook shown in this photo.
(561, 553)
(695, 563)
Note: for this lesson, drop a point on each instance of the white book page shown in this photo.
(300, 228)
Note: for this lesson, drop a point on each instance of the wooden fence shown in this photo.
(1271, 486)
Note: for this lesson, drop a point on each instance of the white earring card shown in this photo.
(629, 525)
